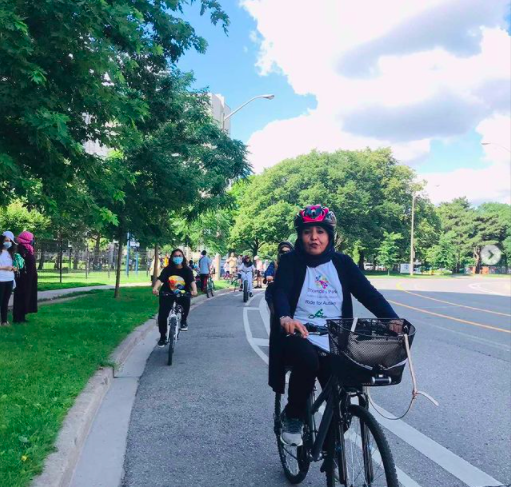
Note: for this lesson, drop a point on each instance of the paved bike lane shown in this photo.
(207, 420)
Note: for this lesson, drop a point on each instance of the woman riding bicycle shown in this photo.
(313, 283)
(176, 282)
(247, 270)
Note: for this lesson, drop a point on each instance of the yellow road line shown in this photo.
(400, 287)
(480, 325)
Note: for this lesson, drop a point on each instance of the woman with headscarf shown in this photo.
(269, 274)
(313, 283)
(6, 273)
(25, 295)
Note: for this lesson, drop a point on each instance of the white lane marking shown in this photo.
(255, 294)
(261, 342)
(265, 315)
(477, 287)
(250, 338)
(452, 463)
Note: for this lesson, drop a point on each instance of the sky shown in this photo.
(431, 80)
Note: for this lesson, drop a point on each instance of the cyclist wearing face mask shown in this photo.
(176, 279)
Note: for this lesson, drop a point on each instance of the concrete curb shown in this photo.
(59, 466)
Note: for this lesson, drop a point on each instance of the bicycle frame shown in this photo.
(332, 394)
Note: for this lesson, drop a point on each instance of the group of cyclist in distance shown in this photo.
(312, 283)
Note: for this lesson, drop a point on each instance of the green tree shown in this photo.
(182, 166)
(491, 225)
(74, 71)
(368, 190)
(16, 217)
(388, 252)
(458, 218)
(444, 254)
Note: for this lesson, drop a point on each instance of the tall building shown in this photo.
(219, 110)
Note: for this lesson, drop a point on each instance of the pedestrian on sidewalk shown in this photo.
(25, 295)
(6, 274)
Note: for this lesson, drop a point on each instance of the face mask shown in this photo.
(177, 260)
(7, 245)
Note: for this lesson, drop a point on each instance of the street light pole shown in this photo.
(411, 234)
(224, 118)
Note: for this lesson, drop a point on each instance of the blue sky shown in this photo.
(337, 87)
(228, 68)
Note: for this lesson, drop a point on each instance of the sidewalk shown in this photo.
(59, 293)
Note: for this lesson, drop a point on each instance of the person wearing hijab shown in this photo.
(25, 295)
(6, 273)
(282, 249)
(313, 283)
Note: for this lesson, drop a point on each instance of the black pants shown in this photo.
(5, 294)
(166, 303)
(306, 365)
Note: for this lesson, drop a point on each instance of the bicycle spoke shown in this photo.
(358, 468)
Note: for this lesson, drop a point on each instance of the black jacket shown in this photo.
(286, 292)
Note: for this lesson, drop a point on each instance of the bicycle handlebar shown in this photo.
(173, 294)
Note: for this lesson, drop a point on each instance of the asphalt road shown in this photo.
(207, 420)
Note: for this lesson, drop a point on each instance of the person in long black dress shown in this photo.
(25, 294)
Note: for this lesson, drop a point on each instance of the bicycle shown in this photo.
(173, 323)
(244, 277)
(210, 287)
(349, 440)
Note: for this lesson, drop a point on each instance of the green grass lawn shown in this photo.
(49, 281)
(46, 363)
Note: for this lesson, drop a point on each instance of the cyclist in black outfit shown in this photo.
(313, 283)
(176, 279)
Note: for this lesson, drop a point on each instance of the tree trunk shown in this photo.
(42, 258)
(255, 248)
(156, 266)
(95, 263)
(76, 259)
(477, 255)
(361, 258)
(118, 270)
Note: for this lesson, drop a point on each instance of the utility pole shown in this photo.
(412, 253)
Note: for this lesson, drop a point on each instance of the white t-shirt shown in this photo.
(6, 260)
(321, 296)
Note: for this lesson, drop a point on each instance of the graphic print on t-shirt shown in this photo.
(176, 284)
(321, 295)
(322, 281)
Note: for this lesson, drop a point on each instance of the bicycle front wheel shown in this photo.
(361, 456)
(172, 338)
(245, 291)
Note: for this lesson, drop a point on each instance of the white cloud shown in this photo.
(396, 73)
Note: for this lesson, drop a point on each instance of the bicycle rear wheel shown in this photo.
(361, 456)
(295, 460)
(172, 338)
(212, 288)
(245, 291)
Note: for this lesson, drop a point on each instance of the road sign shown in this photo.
(490, 255)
